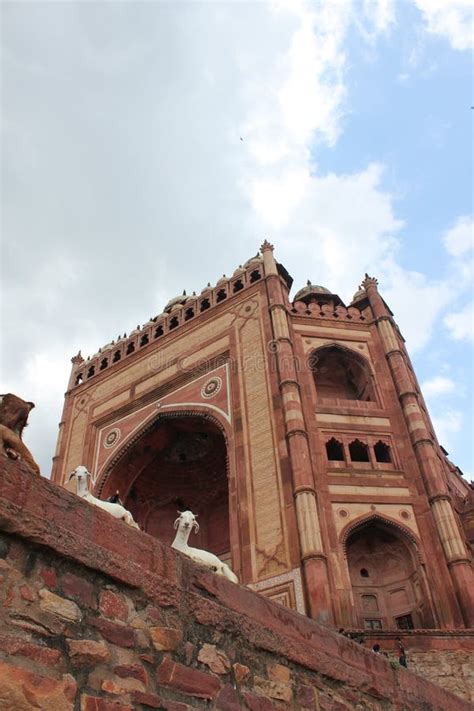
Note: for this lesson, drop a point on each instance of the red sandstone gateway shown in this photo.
(297, 431)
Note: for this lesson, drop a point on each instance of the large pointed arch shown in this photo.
(342, 373)
(386, 572)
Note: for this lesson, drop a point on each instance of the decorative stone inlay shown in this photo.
(112, 438)
(405, 514)
(343, 513)
(211, 387)
(292, 577)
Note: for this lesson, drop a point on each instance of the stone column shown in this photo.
(307, 516)
(434, 480)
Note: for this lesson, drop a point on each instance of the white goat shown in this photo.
(185, 523)
(81, 474)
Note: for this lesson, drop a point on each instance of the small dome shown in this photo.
(207, 288)
(222, 280)
(310, 289)
(360, 294)
(178, 300)
(253, 260)
(239, 270)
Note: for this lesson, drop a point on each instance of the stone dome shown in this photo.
(360, 294)
(253, 260)
(177, 300)
(309, 290)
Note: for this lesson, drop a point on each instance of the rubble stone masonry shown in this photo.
(97, 616)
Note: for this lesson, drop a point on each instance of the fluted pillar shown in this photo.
(307, 515)
(434, 480)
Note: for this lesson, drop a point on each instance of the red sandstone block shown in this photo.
(94, 703)
(258, 703)
(21, 689)
(157, 702)
(113, 606)
(189, 681)
(78, 589)
(165, 638)
(228, 700)
(49, 576)
(87, 652)
(306, 695)
(27, 593)
(114, 633)
(137, 671)
(17, 646)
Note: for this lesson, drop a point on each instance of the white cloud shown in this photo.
(446, 425)
(439, 385)
(452, 19)
(461, 323)
(460, 238)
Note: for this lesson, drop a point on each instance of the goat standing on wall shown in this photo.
(81, 475)
(185, 523)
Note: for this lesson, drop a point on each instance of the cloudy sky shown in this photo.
(124, 179)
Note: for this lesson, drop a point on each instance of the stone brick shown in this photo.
(95, 703)
(277, 672)
(188, 652)
(26, 593)
(190, 681)
(87, 652)
(37, 621)
(274, 689)
(79, 589)
(228, 699)
(59, 606)
(153, 701)
(113, 605)
(21, 690)
(214, 658)
(137, 671)
(306, 695)
(16, 646)
(120, 687)
(114, 633)
(258, 703)
(49, 576)
(241, 672)
(165, 639)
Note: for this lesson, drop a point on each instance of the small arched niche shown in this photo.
(341, 374)
(386, 576)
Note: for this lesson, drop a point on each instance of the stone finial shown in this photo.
(77, 359)
(266, 246)
(368, 281)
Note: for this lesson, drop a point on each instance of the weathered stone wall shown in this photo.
(96, 616)
(445, 657)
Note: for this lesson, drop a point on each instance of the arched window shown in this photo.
(238, 286)
(91, 371)
(382, 452)
(221, 295)
(205, 304)
(158, 331)
(104, 364)
(334, 450)
(341, 374)
(117, 356)
(144, 340)
(174, 322)
(189, 313)
(255, 276)
(79, 379)
(130, 348)
(359, 451)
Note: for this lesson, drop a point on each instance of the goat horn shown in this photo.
(71, 475)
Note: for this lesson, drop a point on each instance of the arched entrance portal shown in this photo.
(387, 578)
(179, 463)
